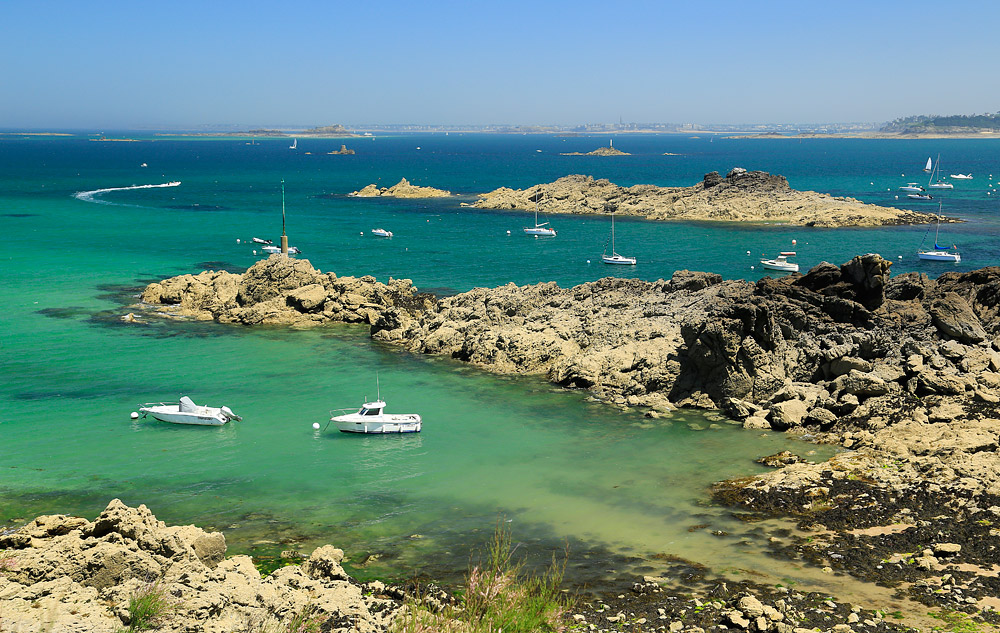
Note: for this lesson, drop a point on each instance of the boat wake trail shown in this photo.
(91, 196)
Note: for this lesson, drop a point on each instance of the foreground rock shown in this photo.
(402, 189)
(68, 574)
(742, 196)
(281, 291)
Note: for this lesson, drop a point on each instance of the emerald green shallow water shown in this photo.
(622, 490)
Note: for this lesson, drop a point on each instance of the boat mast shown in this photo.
(284, 238)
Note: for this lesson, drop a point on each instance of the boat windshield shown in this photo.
(367, 411)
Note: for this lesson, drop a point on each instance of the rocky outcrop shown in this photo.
(402, 189)
(742, 196)
(281, 291)
(69, 574)
(343, 151)
(839, 347)
(600, 151)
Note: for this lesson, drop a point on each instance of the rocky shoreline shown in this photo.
(742, 196)
(903, 372)
(402, 189)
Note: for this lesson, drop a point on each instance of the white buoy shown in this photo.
(361, 233)
(871, 183)
(255, 252)
(508, 232)
(903, 175)
(134, 415)
(316, 425)
(794, 242)
(897, 197)
(751, 268)
(748, 252)
(237, 240)
(588, 261)
(899, 257)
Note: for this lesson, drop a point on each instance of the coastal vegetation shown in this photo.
(499, 595)
(944, 124)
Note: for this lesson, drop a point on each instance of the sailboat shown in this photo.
(539, 230)
(295, 143)
(615, 258)
(940, 184)
(927, 167)
(939, 253)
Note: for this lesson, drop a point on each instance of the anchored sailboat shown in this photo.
(940, 184)
(927, 167)
(539, 230)
(939, 253)
(615, 258)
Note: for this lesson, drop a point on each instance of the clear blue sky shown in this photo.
(104, 64)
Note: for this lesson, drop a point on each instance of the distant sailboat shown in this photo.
(940, 184)
(927, 167)
(295, 144)
(539, 230)
(615, 258)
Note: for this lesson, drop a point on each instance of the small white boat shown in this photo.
(927, 167)
(144, 165)
(942, 185)
(539, 230)
(614, 257)
(962, 176)
(372, 418)
(781, 262)
(184, 411)
(260, 241)
(919, 196)
(911, 186)
(295, 144)
(274, 250)
(381, 232)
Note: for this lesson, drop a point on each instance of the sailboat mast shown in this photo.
(284, 238)
(612, 232)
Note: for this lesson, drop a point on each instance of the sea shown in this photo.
(87, 223)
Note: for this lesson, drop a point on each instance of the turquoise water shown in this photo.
(619, 488)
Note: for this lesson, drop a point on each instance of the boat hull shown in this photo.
(178, 417)
(541, 232)
(618, 259)
(388, 424)
(940, 256)
(784, 267)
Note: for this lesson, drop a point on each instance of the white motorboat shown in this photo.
(274, 250)
(939, 253)
(911, 186)
(962, 176)
(260, 241)
(539, 230)
(941, 185)
(614, 257)
(184, 411)
(919, 196)
(381, 232)
(781, 262)
(372, 418)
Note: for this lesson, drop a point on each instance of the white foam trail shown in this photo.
(90, 196)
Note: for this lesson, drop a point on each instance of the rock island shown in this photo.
(742, 196)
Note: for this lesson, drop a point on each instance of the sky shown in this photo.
(183, 64)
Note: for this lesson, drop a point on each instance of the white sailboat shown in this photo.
(295, 144)
(539, 230)
(940, 184)
(939, 253)
(615, 258)
(927, 167)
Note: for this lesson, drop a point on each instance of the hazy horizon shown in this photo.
(187, 65)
